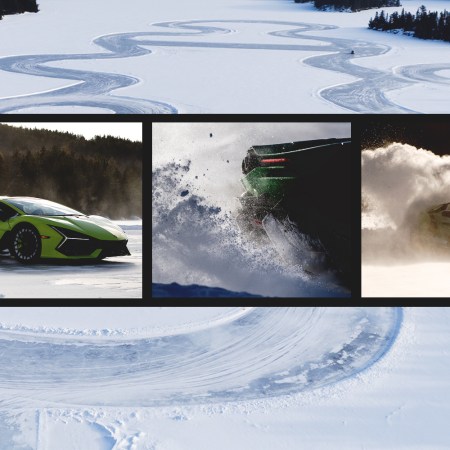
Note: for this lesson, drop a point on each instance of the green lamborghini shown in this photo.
(301, 192)
(33, 228)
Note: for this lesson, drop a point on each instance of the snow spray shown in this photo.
(195, 188)
(195, 241)
(399, 182)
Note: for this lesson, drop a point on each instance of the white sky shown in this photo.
(126, 130)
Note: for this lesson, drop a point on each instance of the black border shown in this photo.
(356, 299)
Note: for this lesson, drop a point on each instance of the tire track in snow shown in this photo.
(267, 352)
(425, 72)
(93, 89)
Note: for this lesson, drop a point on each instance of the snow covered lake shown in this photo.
(184, 378)
(111, 278)
(273, 56)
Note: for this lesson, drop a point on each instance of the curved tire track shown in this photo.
(425, 72)
(94, 89)
(267, 352)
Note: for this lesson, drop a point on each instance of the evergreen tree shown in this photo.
(17, 6)
(99, 176)
(424, 24)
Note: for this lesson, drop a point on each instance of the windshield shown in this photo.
(38, 207)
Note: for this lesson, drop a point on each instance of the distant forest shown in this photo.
(98, 176)
(350, 5)
(424, 24)
(17, 6)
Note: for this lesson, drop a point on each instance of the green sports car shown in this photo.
(301, 192)
(33, 228)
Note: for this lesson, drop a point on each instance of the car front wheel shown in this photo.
(26, 244)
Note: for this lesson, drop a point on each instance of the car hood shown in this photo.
(95, 226)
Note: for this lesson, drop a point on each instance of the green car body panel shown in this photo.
(76, 236)
(302, 188)
(264, 181)
(271, 171)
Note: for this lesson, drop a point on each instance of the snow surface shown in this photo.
(126, 323)
(400, 182)
(195, 237)
(111, 278)
(193, 290)
(235, 56)
(418, 279)
(292, 378)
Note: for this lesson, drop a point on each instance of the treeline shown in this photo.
(424, 24)
(17, 7)
(350, 5)
(99, 176)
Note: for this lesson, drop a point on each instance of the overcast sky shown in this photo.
(125, 130)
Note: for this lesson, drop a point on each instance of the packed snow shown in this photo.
(117, 277)
(229, 378)
(275, 56)
(195, 188)
(400, 182)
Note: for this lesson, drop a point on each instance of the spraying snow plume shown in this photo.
(195, 241)
(399, 182)
(195, 185)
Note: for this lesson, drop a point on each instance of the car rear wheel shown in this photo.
(26, 244)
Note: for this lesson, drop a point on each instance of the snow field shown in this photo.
(401, 401)
(241, 46)
(112, 278)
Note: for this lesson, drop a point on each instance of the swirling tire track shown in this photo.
(267, 352)
(94, 89)
(425, 72)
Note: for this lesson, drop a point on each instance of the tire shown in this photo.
(26, 244)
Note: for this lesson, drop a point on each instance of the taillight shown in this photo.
(274, 161)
